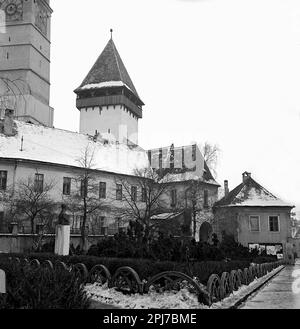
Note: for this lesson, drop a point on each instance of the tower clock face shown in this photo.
(13, 9)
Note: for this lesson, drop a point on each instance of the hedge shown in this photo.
(145, 268)
(39, 288)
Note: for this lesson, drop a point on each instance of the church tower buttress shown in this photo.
(25, 60)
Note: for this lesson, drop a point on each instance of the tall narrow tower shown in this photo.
(25, 60)
(107, 99)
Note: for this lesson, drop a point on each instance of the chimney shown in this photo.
(246, 176)
(8, 124)
(226, 188)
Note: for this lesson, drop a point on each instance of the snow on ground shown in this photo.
(243, 291)
(167, 300)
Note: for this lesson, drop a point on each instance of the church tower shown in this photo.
(25, 60)
(107, 99)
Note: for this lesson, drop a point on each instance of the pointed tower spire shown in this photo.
(109, 85)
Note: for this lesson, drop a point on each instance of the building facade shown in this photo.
(47, 156)
(254, 217)
(25, 61)
(33, 153)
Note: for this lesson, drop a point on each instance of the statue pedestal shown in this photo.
(62, 240)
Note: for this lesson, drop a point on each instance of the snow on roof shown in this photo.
(67, 148)
(165, 216)
(250, 194)
(188, 176)
(109, 68)
(194, 168)
(105, 85)
(261, 197)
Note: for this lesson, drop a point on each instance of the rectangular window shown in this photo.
(144, 195)
(76, 224)
(133, 193)
(2, 224)
(39, 183)
(83, 188)
(173, 198)
(160, 159)
(172, 157)
(3, 180)
(121, 225)
(254, 223)
(102, 190)
(67, 186)
(205, 199)
(112, 228)
(119, 192)
(103, 226)
(194, 153)
(274, 223)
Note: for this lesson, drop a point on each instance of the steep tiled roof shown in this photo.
(109, 70)
(251, 194)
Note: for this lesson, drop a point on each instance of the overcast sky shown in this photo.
(223, 71)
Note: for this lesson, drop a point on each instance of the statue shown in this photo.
(63, 218)
(62, 234)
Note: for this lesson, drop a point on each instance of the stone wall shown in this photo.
(21, 243)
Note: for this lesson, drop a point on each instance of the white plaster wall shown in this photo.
(245, 236)
(55, 175)
(110, 117)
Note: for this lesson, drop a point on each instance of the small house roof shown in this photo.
(251, 194)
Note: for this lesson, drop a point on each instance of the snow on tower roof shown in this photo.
(66, 148)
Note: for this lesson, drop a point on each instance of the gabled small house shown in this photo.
(255, 217)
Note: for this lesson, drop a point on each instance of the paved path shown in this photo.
(279, 293)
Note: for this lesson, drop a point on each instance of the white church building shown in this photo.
(110, 110)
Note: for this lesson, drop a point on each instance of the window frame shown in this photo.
(278, 219)
(144, 195)
(205, 198)
(174, 200)
(194, 153)
(102, 188)
(119, 189)
(3, 187)
(68, 192)
(38, 182)
(103, 227)
(134, 193)
(83, 188)
(259, 227)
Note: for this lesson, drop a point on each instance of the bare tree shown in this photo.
(32, 202)
(211, 153)
(143, 199)
(29, 201)
(85, 200)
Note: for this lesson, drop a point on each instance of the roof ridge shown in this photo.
(117, 61)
